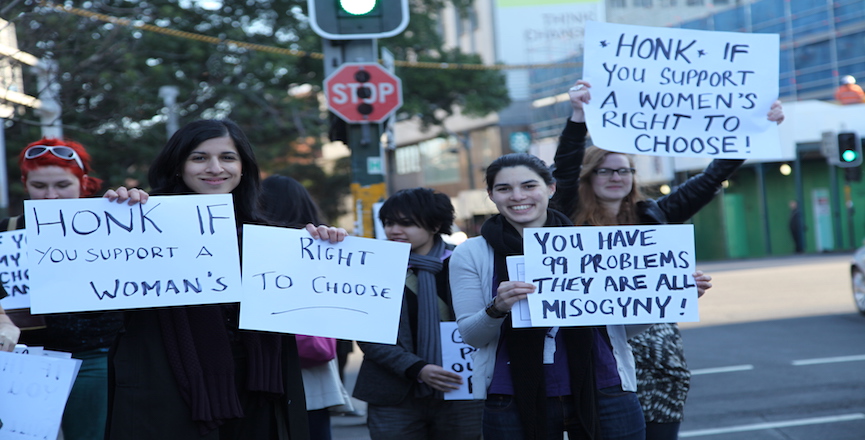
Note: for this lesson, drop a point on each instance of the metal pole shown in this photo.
(367, 176)
(4, 178)
(169, 96)
(49, 89)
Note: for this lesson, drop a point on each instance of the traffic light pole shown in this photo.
(367, 174)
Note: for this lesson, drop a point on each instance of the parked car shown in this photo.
(857, 275)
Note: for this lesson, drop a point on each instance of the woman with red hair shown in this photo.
(60, 169)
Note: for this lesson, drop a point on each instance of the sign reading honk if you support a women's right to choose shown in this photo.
(681, 92)
(93, 254)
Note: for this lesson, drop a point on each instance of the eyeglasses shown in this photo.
(59, 151)
(608, 172)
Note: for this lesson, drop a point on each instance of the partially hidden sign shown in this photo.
(35, 390)
(681, 93)
(92, 254)
(611, 275)
(296, 284)
(14, 272)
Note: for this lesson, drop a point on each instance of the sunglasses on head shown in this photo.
(58, 150)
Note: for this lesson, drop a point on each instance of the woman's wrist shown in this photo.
(494, 312)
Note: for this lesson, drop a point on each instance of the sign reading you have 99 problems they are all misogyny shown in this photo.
(599, 275)
(93, 254)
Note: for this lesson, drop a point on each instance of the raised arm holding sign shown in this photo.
(597, 187)
(682, 93)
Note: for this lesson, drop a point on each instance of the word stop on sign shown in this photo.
(348, 93)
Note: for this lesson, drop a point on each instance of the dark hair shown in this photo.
(166, 171)
(425, 207)
(89, 185)
(286, 202)
(515, 160)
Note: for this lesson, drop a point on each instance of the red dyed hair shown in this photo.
(89, 185)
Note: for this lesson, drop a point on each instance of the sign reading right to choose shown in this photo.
(599, 275)
(681, 93)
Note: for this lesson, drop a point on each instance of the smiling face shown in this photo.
(52, 182)
(213, 167)
(521, 196)
(611, 189)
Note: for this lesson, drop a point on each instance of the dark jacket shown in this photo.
(663, 379)
(389, 373)
(676, 207)
(72, 332)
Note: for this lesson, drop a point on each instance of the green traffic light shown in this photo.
(849, 156)
(357, 7)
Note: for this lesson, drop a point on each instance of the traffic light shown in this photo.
(358, 19)
(849, 150)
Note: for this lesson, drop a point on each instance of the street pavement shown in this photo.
(744, 291)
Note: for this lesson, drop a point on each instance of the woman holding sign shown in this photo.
(189, 372)
(537, 382)
(406, 384)
(53, 169)
(597, 188)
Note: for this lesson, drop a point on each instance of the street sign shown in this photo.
(363, 92)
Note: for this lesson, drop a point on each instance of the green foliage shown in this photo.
(111, 75)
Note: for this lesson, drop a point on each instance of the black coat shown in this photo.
(676, 207)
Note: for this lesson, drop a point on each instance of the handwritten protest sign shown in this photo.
(611, 275)
(35, 390)
(679, 92)
(92, 254)
(520, 316)
(457, 358)
(293, 283)
(13, 270)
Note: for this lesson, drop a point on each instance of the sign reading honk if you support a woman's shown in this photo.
(93, 254)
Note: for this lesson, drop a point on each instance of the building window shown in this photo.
(440, 164)
(643, 3)
(617, 3)
(408, 160)
(695, 2)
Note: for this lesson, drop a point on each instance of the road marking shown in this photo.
(831, 360)
(775, 425)
(722, 369)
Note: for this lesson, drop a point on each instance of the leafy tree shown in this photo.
(111, 75)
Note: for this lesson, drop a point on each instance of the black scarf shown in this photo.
(526, 346)
(199, 353)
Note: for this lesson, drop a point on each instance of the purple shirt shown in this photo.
(556, 377)
(606, 373)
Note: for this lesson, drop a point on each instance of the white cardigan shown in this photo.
(471, 279)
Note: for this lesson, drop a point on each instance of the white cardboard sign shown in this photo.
(92, 254)
(680, 92)
(457, 358)
(594, 275)
(14, 272)
(35, 390)
(295, 284)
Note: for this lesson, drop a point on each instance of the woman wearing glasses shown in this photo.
(60, 169)
(597, 187)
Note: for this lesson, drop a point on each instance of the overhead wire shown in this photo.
(137, 24)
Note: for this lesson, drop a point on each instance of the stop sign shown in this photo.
(362, 92)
